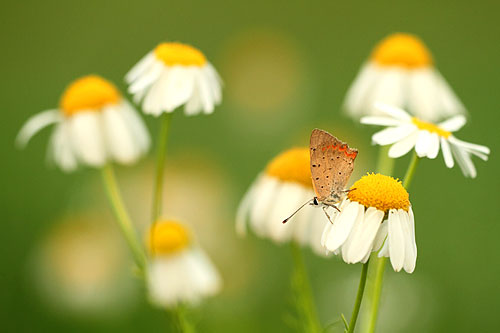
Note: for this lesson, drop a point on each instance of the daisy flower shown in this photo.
(401, 72)
(179, 271)
(275, 194)
(376, 215)
(174, 74)
(94, 125)
(405, 132)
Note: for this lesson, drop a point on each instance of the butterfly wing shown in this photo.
(332, 163)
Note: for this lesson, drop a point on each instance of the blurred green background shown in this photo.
(286, 67)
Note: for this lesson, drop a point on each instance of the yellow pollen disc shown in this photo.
(90, 92)
(168, 237)
(379, 191)
(423, 125)
(179, 54)
(292, 166)
(402, 50)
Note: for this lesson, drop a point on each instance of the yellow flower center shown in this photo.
(89, 93)
(402, 50)
(292, 166)
(179, 54)
(381, 192)
(423, 125)
(168, 237)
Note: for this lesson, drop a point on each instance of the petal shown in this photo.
(87, 138)
(380, 121)
(381, 236)
(265, 192)
(409, 242)
(244, 209)
(396, 241)
(422, 94)
(433, 149)
(445, 148)
(392, 134)
(387, 90)
(453, 124)
(342, 226)
(60, 149)
(356, 229)
(119, 139)
(364, 236)
(464, 161)
(140, 67)
(469, 146)
(360, 89)
(423, 143)
(147, 78)
(36, 123)
(404, 146)
(178, 87)
(139, 131)
(392, 111)
(450, 104)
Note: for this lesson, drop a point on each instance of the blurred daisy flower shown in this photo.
(179, 271)
(174, 74)
(401, 72)
(405, 132)
(376, 215)
(275, 194)
(94, 125)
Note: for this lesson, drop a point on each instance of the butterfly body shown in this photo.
(332, 163)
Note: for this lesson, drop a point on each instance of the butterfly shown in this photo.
(332, 163)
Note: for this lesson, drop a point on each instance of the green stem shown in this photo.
(122, 217)
(385, 164)
(160, 170)
(359, 298)
(410, 172)
(181, 322)
(303, 294)
(377, 274)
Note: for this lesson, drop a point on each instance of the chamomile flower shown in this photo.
(404, 132)
(175, 74)
(275, 194)
(401, 72)
(376, 215)
(94, 125)
(179, 271)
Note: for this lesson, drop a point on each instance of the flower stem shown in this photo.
(359, 298)
(160, 169)
(308, 317)
(410, 172)
(385, 164)
(182, 323)
(121, 214)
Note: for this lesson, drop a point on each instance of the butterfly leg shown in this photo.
(349, 190)
(326, 213)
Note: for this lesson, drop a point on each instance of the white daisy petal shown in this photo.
(60, 149)
(453, 124)
(380, 121)
(362, 241)
(445, 148)
(422, 93)
(118, 136)
(140, 67)
(450, 104)
(404, 146)
(356, 230)
(394, 112)
(244, 209)
(342, 226)
(36, 123)
(433, 149)
(266, 188)
(87, 137)
(391, 135)
(423, 143)
(469, 146)
(387, 90)
(381, 236)
(464, 161)
(410, 256)
(396, 241)
(360, 89)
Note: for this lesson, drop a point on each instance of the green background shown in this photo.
(286, 67)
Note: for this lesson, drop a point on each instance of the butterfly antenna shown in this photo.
(289, 217)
